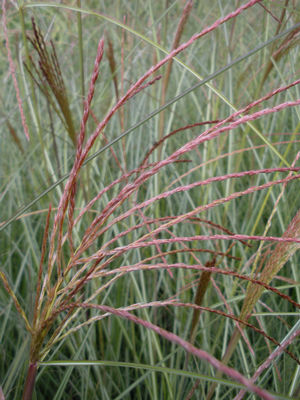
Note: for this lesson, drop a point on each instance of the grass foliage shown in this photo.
(149, 193)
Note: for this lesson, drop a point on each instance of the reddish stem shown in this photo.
(30, 381)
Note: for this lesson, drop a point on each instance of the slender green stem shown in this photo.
(80, 48)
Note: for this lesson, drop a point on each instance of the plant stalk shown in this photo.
(30, 381)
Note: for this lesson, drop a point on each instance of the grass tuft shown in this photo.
(170, 260)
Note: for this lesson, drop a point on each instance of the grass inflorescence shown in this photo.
(160, 259)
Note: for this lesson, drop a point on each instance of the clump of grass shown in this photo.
(13, 71)
(279, 257)
(282, 48)
(183, 20)
(81, 262)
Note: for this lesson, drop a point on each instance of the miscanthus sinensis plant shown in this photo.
(159, 260)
